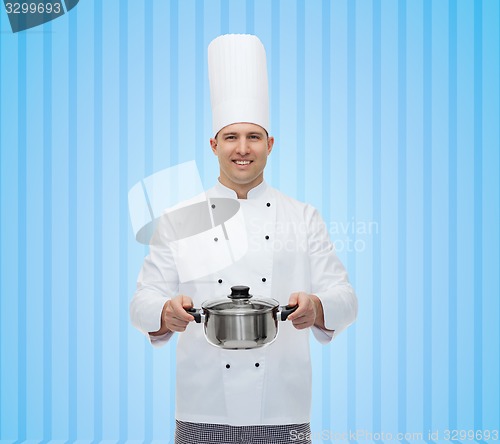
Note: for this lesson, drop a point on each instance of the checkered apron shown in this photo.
(194, 433)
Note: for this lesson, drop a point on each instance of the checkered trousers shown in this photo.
(194, 433)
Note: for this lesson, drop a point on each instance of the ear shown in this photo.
(270, 144)
(213, 144)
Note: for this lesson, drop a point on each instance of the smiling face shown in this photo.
(242, 150)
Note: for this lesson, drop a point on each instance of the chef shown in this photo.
(261, 395)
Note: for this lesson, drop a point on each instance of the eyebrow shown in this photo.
(233, 133)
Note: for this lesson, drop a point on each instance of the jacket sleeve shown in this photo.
(157, 282)
(329, 281)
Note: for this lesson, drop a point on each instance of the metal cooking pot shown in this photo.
(241, 321)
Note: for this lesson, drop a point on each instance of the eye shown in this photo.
(254, 137)
(230, 137)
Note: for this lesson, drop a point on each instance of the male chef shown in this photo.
(260, 395)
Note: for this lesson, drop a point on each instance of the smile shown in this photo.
(242, 162)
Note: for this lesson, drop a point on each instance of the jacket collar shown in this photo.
(254, 193)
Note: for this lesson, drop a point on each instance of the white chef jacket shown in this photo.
(289, 250)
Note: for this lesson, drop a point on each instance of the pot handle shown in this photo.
(196, 313)
(286, 310)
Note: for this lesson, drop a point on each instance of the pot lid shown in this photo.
(240, 302)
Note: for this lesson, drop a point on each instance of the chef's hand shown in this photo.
(309, 313)
(174, 316)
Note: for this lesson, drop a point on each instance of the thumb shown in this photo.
(294, 299)
(187, 302)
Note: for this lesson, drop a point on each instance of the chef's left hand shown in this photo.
(307, 313)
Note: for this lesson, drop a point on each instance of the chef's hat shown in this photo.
(238, 81)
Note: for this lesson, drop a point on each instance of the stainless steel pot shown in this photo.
(241, 321)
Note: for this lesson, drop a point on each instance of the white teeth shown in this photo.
(242, 162)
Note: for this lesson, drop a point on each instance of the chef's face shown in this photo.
(242, 149)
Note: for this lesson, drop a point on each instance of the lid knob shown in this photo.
(240, 292)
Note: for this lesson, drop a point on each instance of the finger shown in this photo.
(300, 314)
(182, 319)
(293, 299)
(173, 317)
(302, 324)
(186, 302)
(180, 313)
(176, 325)
(179, 323)
(176, 328)
(185, 317)
(305, 317)
(301, 311)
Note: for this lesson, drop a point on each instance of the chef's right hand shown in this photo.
(174, 316)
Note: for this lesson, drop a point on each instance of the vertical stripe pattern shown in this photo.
(1, 231)
(427, 216)
(325, 174)
(373, 125)
(300, 91)
(98, 209)
(73, 229)
(21, 246)
(376, 197)
(351, 195)
(401, 217)
(275, 85)
(47, 235)
(452, 217)
(123, 226)
(478, 217)
(148, 170)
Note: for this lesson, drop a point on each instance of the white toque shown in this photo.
(237, 73)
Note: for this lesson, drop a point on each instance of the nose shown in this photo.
(242, 147)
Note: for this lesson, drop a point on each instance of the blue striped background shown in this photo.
(386, 117)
